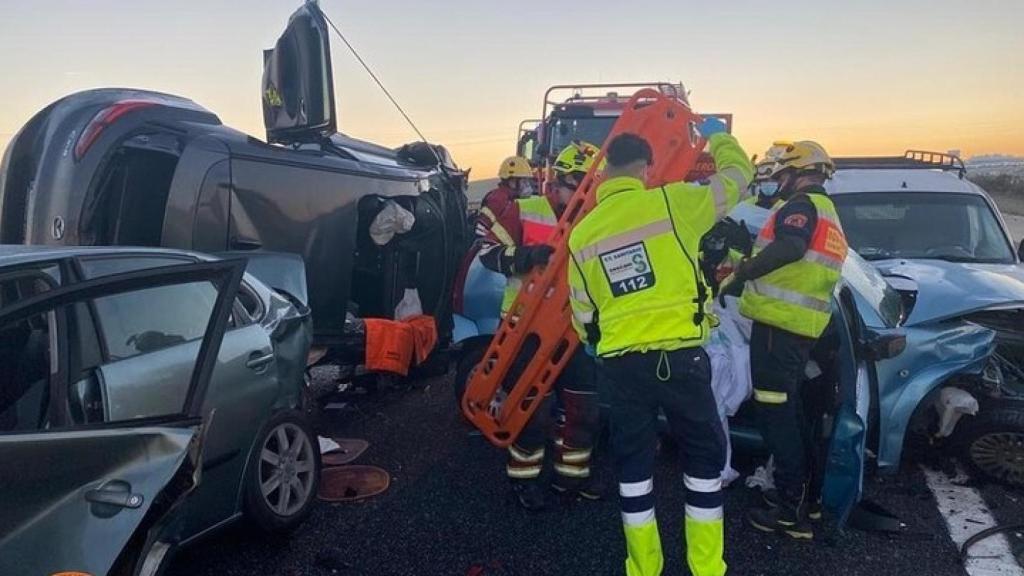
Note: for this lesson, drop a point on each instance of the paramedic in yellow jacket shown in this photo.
(639, 298)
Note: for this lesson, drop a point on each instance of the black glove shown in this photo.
(731, 286)
(529, 257)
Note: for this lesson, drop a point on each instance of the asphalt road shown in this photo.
(448, 510)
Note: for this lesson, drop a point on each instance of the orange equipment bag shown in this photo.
(540, 316)
(394, 346)
(388, 346)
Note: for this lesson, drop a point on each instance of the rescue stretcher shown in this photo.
(536, 339)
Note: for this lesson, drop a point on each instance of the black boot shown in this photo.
(590, 488)
(771, 499)
(529, 494)
(788, 517)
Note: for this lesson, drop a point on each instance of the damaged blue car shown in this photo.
(940, 241)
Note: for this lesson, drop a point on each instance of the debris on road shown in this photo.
(352, 483)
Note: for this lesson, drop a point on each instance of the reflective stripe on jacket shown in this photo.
(798, 296)
(634, 270)
(538, 221)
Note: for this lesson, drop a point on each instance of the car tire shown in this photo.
(287, 450)
(468, 361)
(993, 443)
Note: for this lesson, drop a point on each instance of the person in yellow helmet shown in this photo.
(514, 245)
(515, 180)
(787, 290)
(639, 298)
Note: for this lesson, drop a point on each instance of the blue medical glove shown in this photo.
(711, 126)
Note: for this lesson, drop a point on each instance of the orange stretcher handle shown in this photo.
(540, 316)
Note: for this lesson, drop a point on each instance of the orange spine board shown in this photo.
(541, 313)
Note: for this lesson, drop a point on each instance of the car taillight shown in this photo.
(102, 120)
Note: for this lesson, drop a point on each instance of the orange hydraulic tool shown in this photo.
(536, 338)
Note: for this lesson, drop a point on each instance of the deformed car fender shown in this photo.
(934, 353)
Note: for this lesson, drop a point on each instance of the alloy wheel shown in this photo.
(287, 466)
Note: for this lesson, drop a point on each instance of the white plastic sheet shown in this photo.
(729, 351)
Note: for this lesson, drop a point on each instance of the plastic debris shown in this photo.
(763, 477)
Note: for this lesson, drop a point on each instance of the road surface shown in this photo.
(448, 511)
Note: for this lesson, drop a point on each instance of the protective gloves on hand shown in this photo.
(529, 257)
(711, 126)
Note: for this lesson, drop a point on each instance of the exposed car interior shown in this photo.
(24, 359)
(131, 198)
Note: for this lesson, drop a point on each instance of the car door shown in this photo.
(844, 473)
(298, 83)
(147, 339)
(93, 496)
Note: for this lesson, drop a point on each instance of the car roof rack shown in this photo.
(911, 159)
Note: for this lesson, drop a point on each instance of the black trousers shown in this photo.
(678, 383)
(789, 407)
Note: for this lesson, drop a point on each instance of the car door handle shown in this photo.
(121, 498)
(258, 361)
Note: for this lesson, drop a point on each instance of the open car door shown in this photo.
(844, 472)
(298, 84)
(94, 498)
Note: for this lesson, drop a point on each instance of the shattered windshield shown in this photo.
(926, 225)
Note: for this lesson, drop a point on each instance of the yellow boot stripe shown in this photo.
(770, 396)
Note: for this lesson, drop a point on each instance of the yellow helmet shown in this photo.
(576, 157)
(515, 167)
(805, 155)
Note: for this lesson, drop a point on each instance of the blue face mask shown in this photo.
(768, 189)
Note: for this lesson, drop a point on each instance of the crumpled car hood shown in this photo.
(949, 289)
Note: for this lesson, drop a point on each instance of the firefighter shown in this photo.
(787, 291)
(514, 245)
(515, 180)
(638, 297)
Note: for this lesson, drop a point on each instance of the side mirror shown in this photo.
(883, 346)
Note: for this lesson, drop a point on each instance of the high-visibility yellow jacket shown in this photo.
(538, 222)
(798, 296)
(634, 278)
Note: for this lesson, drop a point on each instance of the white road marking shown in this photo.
(966, 514)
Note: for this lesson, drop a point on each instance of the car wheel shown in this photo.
(993, 443)
(284, 473)
(468, 361)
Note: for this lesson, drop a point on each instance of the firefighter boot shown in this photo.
(771, 499)
(529, 494)
(789, 517)
(589, 488)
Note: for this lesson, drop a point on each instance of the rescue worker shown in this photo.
(514, 245)
(515, 180)
(638, 297)
(765, 189)
(787, 292)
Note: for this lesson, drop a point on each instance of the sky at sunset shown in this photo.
(866, 77)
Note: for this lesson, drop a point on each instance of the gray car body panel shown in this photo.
(237, 401)
(56, 525)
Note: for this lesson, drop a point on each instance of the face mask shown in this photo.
(526, 188)
(768, 189)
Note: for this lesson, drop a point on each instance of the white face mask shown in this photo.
(526, 188)
(768, 189)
